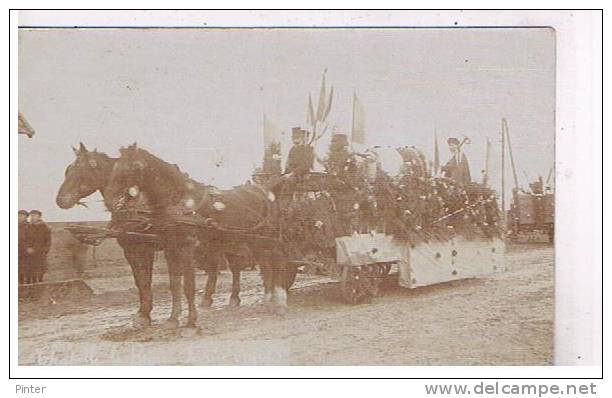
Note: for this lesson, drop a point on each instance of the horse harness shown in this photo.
(188, 212)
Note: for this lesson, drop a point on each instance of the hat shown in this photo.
(24, 212)
(453, 140)
(36, 212)
(297, 132)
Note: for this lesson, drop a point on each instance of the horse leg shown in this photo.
(148, 257)
(134, 255)
(189, 282)
(188, 265)
(235, 297)
(211, 285)
(280, 283)
(268, 283)
(212, 261)
(174, 276)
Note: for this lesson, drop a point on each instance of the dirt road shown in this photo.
(503, 319)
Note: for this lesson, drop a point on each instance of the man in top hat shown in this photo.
(339, 161)
(457, 167)
(22, 259)
(301, 156)
(37, 247)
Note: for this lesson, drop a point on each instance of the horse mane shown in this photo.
(107, 166)
(108, 160)
(102, 154)
(165, 179)
(84, 153)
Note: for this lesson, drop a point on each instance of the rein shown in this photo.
(181, 215)
(172, 204)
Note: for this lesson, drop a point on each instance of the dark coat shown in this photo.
(39, 239)
(301, 159)
(23, 234)
(337, 162)
(458, 169)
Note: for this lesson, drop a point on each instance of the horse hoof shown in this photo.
(280, 310)
(141, 321)
(234, 302)
(190, 332)
(268, 298)
(171, 324)
(269, 306)
(206, 302)
(191, 324)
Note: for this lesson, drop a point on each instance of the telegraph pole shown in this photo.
(503, 176)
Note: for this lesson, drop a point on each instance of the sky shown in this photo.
(196, 97)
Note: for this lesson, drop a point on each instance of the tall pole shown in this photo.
(549, 175)
(353, 121)
(503, 176)
(505, 125)
(488, 154)
(436, 163)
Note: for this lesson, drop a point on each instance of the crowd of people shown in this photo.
(34, 245)
(340, 159)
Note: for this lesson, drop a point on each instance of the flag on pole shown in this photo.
(270, 132)
(310, 118)
(358, 129)
(319, 119)
(329, 104)
(321, 106)
(485, 178)
(436, 162)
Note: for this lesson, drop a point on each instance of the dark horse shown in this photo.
(90, 173)
(186, 214)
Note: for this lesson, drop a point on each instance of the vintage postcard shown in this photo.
(286, 195)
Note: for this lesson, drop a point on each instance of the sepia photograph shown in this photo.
(286, 195)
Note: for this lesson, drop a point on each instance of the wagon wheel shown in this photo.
(373, 274)
(387, 269)
(382, 272)
(356, 285)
